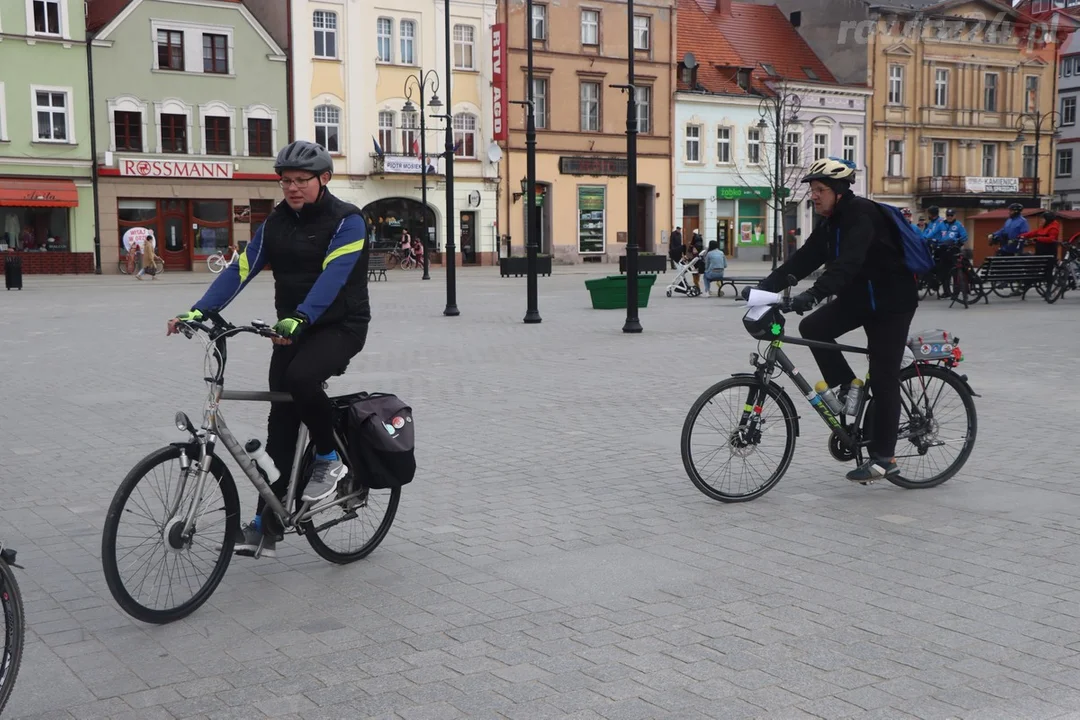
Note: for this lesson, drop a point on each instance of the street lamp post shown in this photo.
(451, 278)
(782, 109)
(420, 81)
(532, 312)
(632, 323)
(1037, 119)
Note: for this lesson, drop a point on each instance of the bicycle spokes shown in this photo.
(933, 426)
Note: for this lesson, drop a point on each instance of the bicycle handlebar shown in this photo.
(219, 327)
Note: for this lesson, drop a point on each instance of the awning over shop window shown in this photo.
(38, 193)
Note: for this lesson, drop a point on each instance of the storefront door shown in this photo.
(174, 244)
(468, 238)
(724, 235)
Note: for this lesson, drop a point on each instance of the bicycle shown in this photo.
(1067, 272)
(759, 403)
(122, 266)
(197, 482)
(218, 262)
(11, 606)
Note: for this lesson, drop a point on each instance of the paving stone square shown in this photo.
(551, 558)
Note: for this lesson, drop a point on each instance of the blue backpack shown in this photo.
(916, 253)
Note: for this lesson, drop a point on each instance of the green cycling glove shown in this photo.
(190, 316)
(291, 326)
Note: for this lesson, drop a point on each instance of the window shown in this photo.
(1068, 110)
(723, 145)
(260, 137)
(50, 116)
(1040, 6)
(990, 92)
(3, 115)
(540, 102)
(1031, 93)
(769, 69)
(464, 136)
(215, 54)
(940, 162)
(643, 98)
(821, 146)
(810, 73)
(693, 143)
(327, 123)
(896, 158)
(46, 17)
(384, 37)
(590, 27)
(1029, 160)
(407, 31)
(792, 149)
(410, 140)
(896, 84)
(325, 24)
(590, 106)
(464, 45)
(170, 50)
(173, 133)
(941, 87)
(127, 130)
(753, 146)
(386, 131)
(1064, 163)
(539, 22)
(850, 146)
(641, 32)
(1066, 67)
(989, 160)
(217, 131)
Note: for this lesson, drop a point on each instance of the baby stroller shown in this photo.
(684, 282)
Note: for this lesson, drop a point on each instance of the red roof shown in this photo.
(100, 13)
(744, 36)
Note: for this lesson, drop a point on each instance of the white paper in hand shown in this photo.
(763, 298)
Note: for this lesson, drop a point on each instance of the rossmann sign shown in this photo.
(176, 169)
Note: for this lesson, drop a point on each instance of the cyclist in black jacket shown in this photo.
(872, 289)
(315, 244)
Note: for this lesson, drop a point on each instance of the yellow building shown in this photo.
(581, 123)
(962, 108)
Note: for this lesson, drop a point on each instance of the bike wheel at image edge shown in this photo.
(778, 413)
(165, 532)
(14, 632)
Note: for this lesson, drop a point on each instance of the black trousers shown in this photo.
(945, 258)
(886, 336)
(300, 369)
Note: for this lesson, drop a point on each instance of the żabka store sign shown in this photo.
(174, 169)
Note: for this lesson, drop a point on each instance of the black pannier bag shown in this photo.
(381, 439)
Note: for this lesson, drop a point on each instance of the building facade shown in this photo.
(356, 68)
(581, 164)
(190, 104)
(726, 176)
(46, 194)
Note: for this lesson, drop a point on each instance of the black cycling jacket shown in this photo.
(864, 268)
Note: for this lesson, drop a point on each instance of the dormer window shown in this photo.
(743, 79)
(688, 75)
(769, 69)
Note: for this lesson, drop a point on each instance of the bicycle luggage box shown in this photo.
(381, 438)
(934, 344)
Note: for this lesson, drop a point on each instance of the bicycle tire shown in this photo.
(392, 260)
(960, 387)
(109, 536)
(788, 414)
(999, 288)
(1059, 284)
(14, 637)
(216, 263)
(321, 548)
(122, 267)
(159, 266)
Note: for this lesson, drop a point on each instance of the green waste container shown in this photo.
(609, 293)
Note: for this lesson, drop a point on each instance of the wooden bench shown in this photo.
(1021, 270)
(377, 267)
(737, 280)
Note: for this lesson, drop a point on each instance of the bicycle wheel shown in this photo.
(937, 421)
(122, 267)
(159, 266)
(724, 449)
(363, 524)
(1005, 289)
(1060, 284)
(155, 547)
(215, 263)
(11, 607)
(392, 260)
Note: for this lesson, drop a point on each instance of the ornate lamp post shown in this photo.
(420, 81)
(1036, 120)
(632, 324)
(451, 277)
(779, 110)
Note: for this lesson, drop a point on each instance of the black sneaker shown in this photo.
(251, 542)
(873, 469)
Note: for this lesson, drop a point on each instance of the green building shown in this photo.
(46, 195)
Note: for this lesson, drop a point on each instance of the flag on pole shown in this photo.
(378, 148)
(416, 147)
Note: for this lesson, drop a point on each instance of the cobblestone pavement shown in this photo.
(551, 558)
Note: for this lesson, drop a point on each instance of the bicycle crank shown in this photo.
(838, 450)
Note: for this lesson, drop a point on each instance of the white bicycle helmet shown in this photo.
(831, 168)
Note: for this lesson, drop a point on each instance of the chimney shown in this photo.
(723, 7)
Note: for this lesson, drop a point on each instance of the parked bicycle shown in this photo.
(219, 260)
(1067, 273)
(164, 566)
(11, 606)
(122, 266)
(747, 417)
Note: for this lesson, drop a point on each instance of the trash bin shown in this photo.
(13, 273)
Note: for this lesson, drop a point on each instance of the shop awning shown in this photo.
(38, 193)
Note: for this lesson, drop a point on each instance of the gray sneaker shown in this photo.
(253, 543)
(325, 476)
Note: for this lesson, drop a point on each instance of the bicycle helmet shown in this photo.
(1016, 207)
(304, 155)
(831, 168)
(933, 211)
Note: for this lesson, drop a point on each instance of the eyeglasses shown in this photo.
(301, 183)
